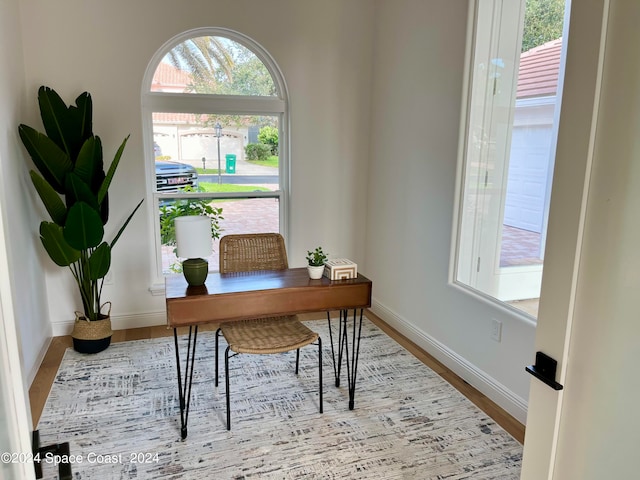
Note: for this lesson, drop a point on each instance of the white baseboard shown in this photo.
(31, 375)
(119, 322)
(494, 390)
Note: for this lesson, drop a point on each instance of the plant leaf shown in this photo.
(51, 200)
(100, 261)
(54, 243)
(83, 228)
(125, 224)
(104, 209)
(112, 170)
(69, 126)
(52, 162)
(77, 190)
(85, 114)
(89, 161)
(98, 178)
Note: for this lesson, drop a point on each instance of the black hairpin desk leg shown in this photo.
(343, 350)
(184, 385)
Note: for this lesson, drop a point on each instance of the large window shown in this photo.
(509, 148)
(214, 109)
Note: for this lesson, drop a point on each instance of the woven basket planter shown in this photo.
(92, 337)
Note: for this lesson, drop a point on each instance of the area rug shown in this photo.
(119, 411)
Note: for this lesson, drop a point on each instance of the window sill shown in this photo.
(157, 289)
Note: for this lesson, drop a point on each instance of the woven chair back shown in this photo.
(252, 251)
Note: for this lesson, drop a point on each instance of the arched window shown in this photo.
(215, 126)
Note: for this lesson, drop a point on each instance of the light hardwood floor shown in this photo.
(46, 374)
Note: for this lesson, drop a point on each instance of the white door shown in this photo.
(566, 223)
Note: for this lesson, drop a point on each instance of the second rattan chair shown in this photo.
(252, 252)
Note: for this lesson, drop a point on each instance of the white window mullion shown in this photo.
(193, 103)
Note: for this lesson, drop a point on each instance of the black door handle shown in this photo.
(61, 450)
(545, 370)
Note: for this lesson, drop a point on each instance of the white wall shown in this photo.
(600, 427)
(324, 51)
(25, 296)
(417, 77)
(417, 87)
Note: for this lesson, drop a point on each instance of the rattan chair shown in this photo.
(251, 252)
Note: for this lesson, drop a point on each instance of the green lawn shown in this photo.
(272, 161)
(210, 187)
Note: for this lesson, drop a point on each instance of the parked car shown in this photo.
(172, 176)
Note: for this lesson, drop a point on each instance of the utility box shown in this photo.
(230, 166)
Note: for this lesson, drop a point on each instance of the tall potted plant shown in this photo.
(73, 186)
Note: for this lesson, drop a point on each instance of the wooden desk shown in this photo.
(241, 296)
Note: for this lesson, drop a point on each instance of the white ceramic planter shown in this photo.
(315, 272)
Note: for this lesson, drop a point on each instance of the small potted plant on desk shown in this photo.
(316, 259)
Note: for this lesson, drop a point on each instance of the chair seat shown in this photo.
(267, 335)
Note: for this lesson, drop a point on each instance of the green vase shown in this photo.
(195, 271)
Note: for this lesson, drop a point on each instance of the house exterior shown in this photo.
(376, 89)
(532, 146)
(181, 136)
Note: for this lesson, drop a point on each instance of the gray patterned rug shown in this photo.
(119, 411)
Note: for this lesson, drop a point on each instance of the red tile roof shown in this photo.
(537, 76)
(539, 67)
(182, 118)
(167, 78)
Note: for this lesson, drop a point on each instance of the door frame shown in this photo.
(574, 157)
(16, 431)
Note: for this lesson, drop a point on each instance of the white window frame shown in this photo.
(496, 280)
(276, 106)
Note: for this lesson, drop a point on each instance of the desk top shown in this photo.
(244, 295)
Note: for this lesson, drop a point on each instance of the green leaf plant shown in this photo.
(73, 186)
(182, 207)
(316, 258)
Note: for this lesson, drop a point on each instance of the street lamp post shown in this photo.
(218, 128)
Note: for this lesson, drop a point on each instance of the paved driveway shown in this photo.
(253, 215)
